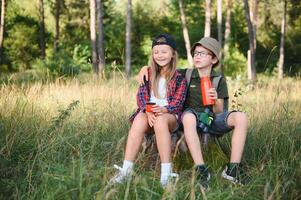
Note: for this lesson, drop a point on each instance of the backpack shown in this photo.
(215, 82)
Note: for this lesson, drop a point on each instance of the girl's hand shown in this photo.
(212, 94)
(142, 73)
(159, 110)
(151, 118)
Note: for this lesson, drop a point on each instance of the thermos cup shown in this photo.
(205, 86)
(149, 106)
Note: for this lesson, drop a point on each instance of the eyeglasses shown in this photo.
(201, 53)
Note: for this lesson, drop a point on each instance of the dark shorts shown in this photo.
(219, 124)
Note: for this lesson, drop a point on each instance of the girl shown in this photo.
(166, 88)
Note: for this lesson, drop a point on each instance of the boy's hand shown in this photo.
(151, 118)
(218, 103)
(142, 73)
(212, 94)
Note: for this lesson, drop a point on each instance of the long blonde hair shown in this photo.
(155, 71)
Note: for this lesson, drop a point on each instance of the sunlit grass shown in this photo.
(60, 139)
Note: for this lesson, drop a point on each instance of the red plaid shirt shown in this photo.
(176, 94)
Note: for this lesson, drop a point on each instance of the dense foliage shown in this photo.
(21, 49)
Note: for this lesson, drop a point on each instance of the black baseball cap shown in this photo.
(164, 39)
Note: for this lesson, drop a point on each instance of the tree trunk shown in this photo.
(227, 27)
(42, 29)
(3, 5)
(251, 54)
(185, 33)
(57, 24)
(219, 30)
(208, 19)
(101, 51)
(254, 23)
(93, 36)
(283, 32)
(219, 21)
(128, 39)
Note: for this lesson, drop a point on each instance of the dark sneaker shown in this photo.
(235, 174)
(203, 175)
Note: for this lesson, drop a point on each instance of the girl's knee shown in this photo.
(140, 118)
(140, 124)
(162, 122)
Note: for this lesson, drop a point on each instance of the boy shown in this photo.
(205, 57)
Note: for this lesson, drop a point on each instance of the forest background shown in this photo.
(54, 35)
(67, 89)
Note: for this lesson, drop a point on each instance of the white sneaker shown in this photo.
(166, 179)
(122, 176)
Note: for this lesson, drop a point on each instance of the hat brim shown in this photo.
(207, 46)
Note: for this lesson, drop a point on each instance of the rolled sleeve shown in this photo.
(176, 101)
(142, 97)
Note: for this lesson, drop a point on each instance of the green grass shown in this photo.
(59, 140)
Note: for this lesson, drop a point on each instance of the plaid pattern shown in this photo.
(176, 94)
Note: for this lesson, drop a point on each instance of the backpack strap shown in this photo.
(188, 74)
(215, 82)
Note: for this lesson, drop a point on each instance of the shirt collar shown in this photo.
(195, 73)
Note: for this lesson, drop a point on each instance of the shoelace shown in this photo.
(119, 176)
(121, 170)
(174, 175)
(117, 167)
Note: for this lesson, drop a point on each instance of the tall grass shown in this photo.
(59, 140)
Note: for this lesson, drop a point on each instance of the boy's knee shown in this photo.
(239, 118)
(242, 117)
(188, 118)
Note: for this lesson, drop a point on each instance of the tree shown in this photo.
(57, 24)
(101, 52)
(128, 39)
(219, 28)
(22, 43)
(2, 21)
(251, 51)
(93, 36)
(254, 22)
(42, 29)
(227, 26)
(282, 41)
(219, 20)
(208, 18)
(185, 33)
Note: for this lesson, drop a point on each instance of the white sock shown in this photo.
(127, 166)
(165, 172)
